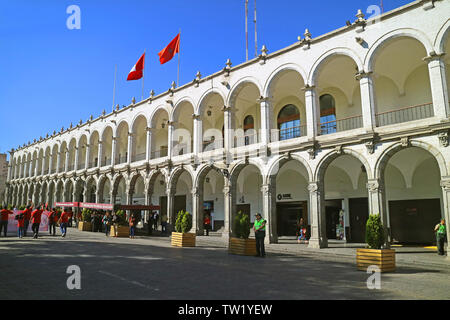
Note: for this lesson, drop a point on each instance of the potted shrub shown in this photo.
(85, 224)
(240, 243)
(182, 237)
(121, 228)
(374, 255)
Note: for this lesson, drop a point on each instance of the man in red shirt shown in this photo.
(4, 220)
(52, 218)
(63, 221)
(27, 217)
(36, 221)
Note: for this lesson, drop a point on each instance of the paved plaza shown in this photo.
(149, 268)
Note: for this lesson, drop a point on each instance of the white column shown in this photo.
(130, 148)
(88, 155)
(66, 163)
(170, 138)
(312, 111)
(269, 212)
(197, 212)
(100, 154)
(228, 128)
(438, 83)
(318, 220)
(148, 153)
(30, 168)
(367, 99)
(228, 210)
(377, 201)
(76, 158)
(114, 151)
(445, 184)
(198, 139)
(50, 164)
(265, 121)
(58, 161)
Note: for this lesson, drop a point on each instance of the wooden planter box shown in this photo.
(383, 259)
(119, 231)
(243, 247)
(183, 239)
(84, 226)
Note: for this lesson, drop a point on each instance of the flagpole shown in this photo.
(179, 53)
(143, 77)
(114, 90)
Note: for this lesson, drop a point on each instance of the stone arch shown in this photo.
(157, 110)
(200, 106)
(280, 161)
(322, 166)
(234, 91)
(278, 72)
(177, 172)
(388, 37)
(178, 104)
(383, 159)
(133, 179)
(329, 54)
(443, 34)
(136, 117)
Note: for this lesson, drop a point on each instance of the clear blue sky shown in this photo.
(51, 76)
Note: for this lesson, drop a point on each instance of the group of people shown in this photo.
(33, 215)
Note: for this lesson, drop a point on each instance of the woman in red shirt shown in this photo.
(63, 221)
(132, 223)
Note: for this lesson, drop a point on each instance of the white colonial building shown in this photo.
(330, 129)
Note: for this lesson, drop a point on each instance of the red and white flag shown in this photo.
(137, 71)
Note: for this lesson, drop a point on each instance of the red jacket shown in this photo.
(65, 217)
(4, 213)
(21, 222)
(36, 216)
(52, 217)
(27, 214)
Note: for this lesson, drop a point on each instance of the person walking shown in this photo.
(132, 222)
(260, 233)
(27, 217)
(164, 224)
(64, 222)
(107, 220)
(36, 220)
(207, 224)
(441, 233)
(150, 223)
(4, 220)
(20, 224)
(155, 220)
(115, 223)
(52, 218)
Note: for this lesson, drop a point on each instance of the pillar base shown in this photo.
(317, 244)
(226, 235)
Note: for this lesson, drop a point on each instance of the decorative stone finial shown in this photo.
(152, 94)
(103, 112)
(117, 107)
(360, 16)
(133, 100)
(91, 117)
(71, 125)
(307, 35)
(263, 55)
(62, 129)
(198, 76)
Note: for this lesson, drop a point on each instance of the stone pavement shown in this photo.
(149, 268)
(339, 251)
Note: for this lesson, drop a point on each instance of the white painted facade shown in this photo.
(387, 140)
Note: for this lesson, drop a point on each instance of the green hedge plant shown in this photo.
(178, 227)
(245, 226)
(186, 222)
(86, 215)
(374, 232)
(237, 225)
(122, 218)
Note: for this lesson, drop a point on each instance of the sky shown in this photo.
(51, 75)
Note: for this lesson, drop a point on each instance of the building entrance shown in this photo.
(288, 216)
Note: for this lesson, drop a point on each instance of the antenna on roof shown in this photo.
(256, 34)
(246, 30)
